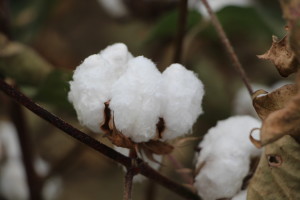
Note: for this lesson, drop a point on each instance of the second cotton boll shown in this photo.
(225, 156)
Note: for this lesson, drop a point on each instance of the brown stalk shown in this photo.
(144, 169)
(235, 60)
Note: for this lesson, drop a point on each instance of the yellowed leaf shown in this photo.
(278, 174)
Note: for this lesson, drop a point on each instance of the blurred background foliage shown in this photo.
(49, 38)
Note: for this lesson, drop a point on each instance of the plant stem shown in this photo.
(128, 184)
(228, 47)
(144, 169)
(33, 181)
(181, 30)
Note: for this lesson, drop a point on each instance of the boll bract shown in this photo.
(155, 163)
(92, 82)
(181, 93)
(137, 94)
(135, 100)
(224, 158)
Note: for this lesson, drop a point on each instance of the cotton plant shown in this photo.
(13, 184)
(225, 157)
(131, 102)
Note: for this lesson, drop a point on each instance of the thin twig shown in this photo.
(150, 191)
(228, 46)
(144, 169)
(181, 30)
(33, 181)
(130, 173)
(128, 184)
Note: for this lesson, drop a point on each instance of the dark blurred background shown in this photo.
(42, 42)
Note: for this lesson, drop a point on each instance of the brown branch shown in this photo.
(33, 180)
(180, 31)
(144, 169)
(228, 47)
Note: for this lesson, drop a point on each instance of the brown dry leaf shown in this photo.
(265, 103)
(278, 174)
(282, 57)
(282, 122)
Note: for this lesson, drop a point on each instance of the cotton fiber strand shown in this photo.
(92, 82)
(225, 157)
(154, 164)
(136, 101)
(182, 94)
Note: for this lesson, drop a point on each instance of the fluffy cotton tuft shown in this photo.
(135, 100)
(225, 157)
(182, 94)
(154, 164)
(92, 82)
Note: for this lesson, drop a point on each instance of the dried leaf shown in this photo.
(282, 57)
(282, 122)
(266, 103)
(277, 179)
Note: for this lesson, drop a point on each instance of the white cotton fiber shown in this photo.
(182, 94)
(154, 164)
(225, 157)
(92, 82)
(135, 100)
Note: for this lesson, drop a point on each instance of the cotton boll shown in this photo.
(155, 165)
(242, 195)
(182, 94)
(92, 82)
(13, 183)
(225, 157)
(115, 8)
(135, 100)
(9, 139)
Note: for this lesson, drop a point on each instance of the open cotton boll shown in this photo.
(225, 156)
(155, 165)
(135, 100)
(92, 82)
(182, 94)
(9, 139)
